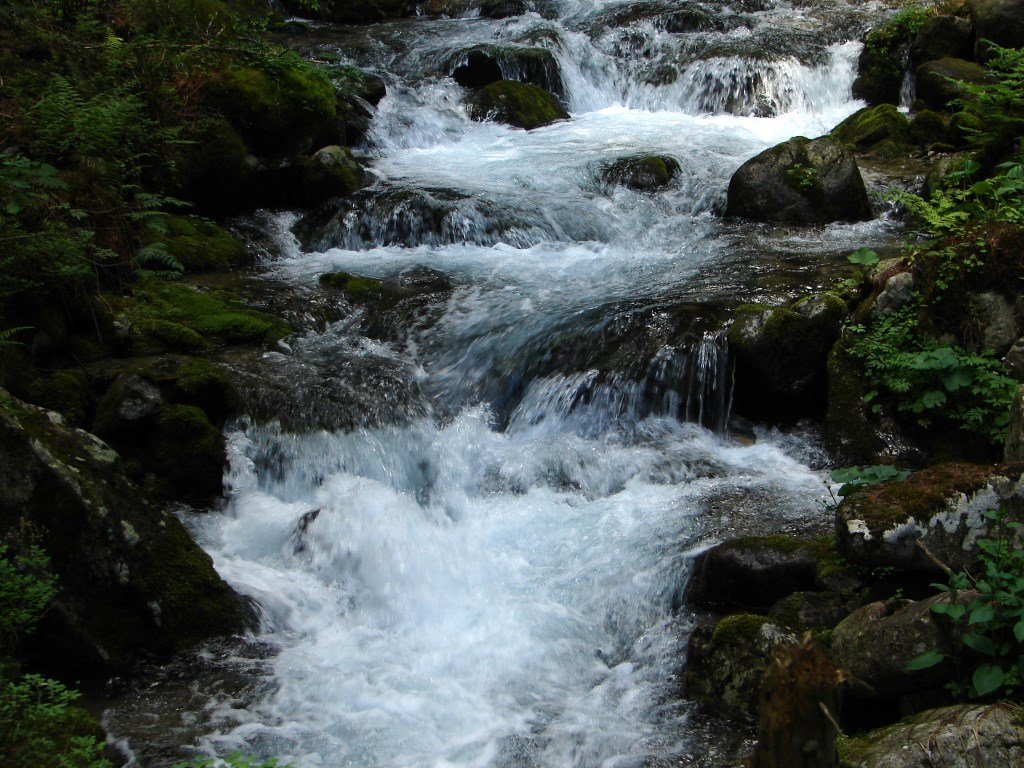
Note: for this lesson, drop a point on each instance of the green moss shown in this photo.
(360, 288)
(200, 383)
(199, 245)
(881, 62)
(871, 126)
(642, 172)
(187, 450)
(518, 104)
(66, 392)
(182, 318)
(739, 628)
(929, 128)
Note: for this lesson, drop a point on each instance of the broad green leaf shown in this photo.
(982, 614)
(980, 643)
(863, 256)
(987, 678)
(925, 660)
(1018, 631)
(958, 379)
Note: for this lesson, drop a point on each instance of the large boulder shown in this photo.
(871, 126)
(781, 353)
(942, 507)
(876, 642)
(520, 105)
(643, 173)
(943, 37)
(997, 21)
(725, 662)
(800, 182)
(960, 736)
(132, 585)
(940, 82)
(753, 572)
(482, 65)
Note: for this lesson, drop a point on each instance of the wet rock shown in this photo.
(939, 82)
(753, 572)
(876, 643)
(781, 353)
(880, 68)
(1013, 362)
(421, 279)
(725, 662)
(943, 37)
(64, 391)
(503, 9)
(132, 584)
(482, 65)
(643, 173)
(330, 172)
(520, 105)
(800, 182)
(960, 736)
(943, 507)
(897, 293)
(871, 126)
(1013, 449)
(930, 129)
(197, 244)
(803, 611)
(997, 21)
(353, 11)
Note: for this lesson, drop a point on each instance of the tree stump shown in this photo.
(799, 695)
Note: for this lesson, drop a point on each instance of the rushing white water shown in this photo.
(499, 585)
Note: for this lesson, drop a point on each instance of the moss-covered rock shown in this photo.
(754, 572)
(813, 611)
(132, 583)
(939, 82)
(997, 21)
(276, 113)
(66, 392)
(520, 105)
(481, 65)
(167, 315)
(198, 244)
(943, 507)
(199, 382)
(214, 171)
(360, 288)
(353, 11)
(871, 126)
(781, 354)
(958, 736)
(886, 52)
(186, 452)
(943, 37)
(725, 662)
(800, 182)
(330, 172)
(644, 173)
(930, 129)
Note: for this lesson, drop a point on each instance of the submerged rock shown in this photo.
(960, 736)
(132, 585)
(943, 507)
(800, 182)
(644, 173)
(520, 105)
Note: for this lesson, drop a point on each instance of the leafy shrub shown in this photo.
(993, 112)
(989, 626)
(25, 590)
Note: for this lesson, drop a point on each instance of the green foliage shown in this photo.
(803, 177)
(886, 46)
(988, 621)
(859, 477)
(864, 257)
(993, 112)
(25, 590)
(930, 381)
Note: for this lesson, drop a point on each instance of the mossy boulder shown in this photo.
(353, 11)
(781, 354)
(186, 453)
(997, 21)
(930, 129)
(276, 113)
(331, 171)
(215, 171)
(64, 391)
(360, 288)
(520, 105)
(198, 244)
(880, 69)
(132, 585)
(813, 611)
(800, 181)
(200, 383)
(169, 315)
(643, 173)
(504, 9)
(725, 662)
(754, 572)
(873, 125)
(940, 82)
(481, 65)
(943, 37)
(958, 736)
(943, 507)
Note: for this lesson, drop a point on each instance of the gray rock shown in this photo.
(998, 21)
(726, 661)
(800, 182)
(943, 37)
(942, 507)
(1013, 361)
(1013, 448)
(898, 293)
(803, 611)
(877, 641)
(999, 320)
(961, 736)
(939, 81)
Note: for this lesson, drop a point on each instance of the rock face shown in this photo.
(876, 642)
(800, 182)
(998, 21)
(943, 37)
(781, 352)
(961, 736)
(725, 662)
(943, 506)
(643, 173)
(752, 572)
(939, 81)
(520, 105)
(132, 584)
